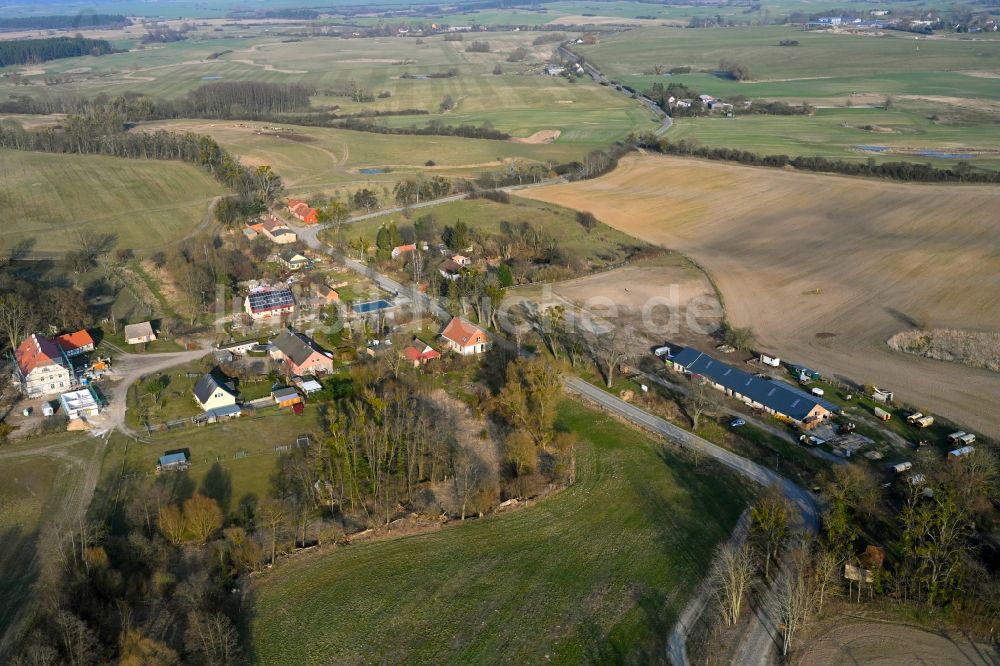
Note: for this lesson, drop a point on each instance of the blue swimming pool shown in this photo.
(371, 306)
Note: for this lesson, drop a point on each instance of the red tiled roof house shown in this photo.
(42, 367)
(465, 338)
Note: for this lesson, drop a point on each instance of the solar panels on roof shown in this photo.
(270, 299)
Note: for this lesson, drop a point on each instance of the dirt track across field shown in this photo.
(826, 268)
(886, 644)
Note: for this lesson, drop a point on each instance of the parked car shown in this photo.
(736, 423)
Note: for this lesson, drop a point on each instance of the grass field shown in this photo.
(944, 90)
(841, 133)
(42, 482)
(825, 268)
(147, 204)
(596, 573)
(313, 159)
(520, 101)
(805, 70)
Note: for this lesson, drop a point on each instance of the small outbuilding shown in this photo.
(173, 461)
(137, 334)
(286, 397)
(80, 404)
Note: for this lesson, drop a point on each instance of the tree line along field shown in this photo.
(597, 572)
(825, 268)
(313, 159)
(147, 204)
(601, 246)
(519, 101)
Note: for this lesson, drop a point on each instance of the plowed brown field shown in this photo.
(826, 268)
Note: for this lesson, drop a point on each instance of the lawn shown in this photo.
(596, 573)
(147, 204)
(245, 449)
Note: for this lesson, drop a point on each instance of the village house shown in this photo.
(450, 270)
(76, 343)
(419, 352)
(292, 260)
(326, 296)
(277, 231)
(300, 353)
(137, 334)
(212, 393)
(465, 338)
(400, 250)
(770, 395)
(462, 260)
(303, 211)
(41, 367)
(266, 302)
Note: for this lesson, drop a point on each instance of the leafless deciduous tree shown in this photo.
(793, 596)
(731, 573)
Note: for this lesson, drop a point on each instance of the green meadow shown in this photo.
(596, 573)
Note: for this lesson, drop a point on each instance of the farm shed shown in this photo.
(286, 397)
(173, 461)
(882, 414)
(136, 334)
(774, 397)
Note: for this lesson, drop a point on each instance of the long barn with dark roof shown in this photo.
(773, 396)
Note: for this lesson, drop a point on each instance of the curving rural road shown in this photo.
(759, 643)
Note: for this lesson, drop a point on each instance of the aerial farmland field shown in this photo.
(825, 268)
(146, 203)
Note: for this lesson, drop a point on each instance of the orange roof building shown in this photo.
(419, 353)
(303, 211)
(465, 338)
(75, 343)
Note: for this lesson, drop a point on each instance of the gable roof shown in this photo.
(462, 332)
(292, 256)
(273, 223)
(270, 298)
(450, 266)
(75, 340)
(772, 393)
(35, 352)
(143, 329)
(286, 393)
(326, 292)
(207, 385)
(295, 346)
